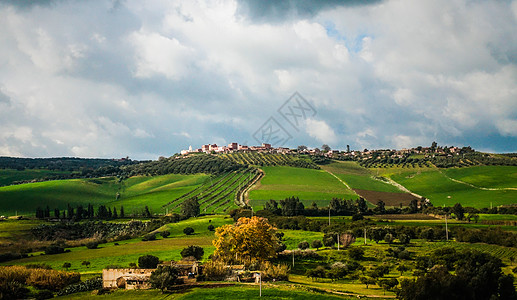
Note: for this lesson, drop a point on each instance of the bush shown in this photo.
(195, 251)
(211, 227)
(279, 272)
(92, 245)
(51, 279)
(11, 256)
(13, 290)
(356, 253)
(44, 294)
(54, 249)
(303, 245)
(316, 244)
(215, 271)
(329, 242)
(188, 231)
(164, 277)
(38, 266)
(148, 262)
(88, 285)
(149, 237)
(165, 234)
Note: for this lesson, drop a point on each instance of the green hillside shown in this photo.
(135, 193)
(441, 190)
(486, 176)
(10, 176)
(307, 184)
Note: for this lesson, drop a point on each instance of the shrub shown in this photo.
(13, 290)
(38, 266)
(211, 227)
(215, 270)
(87, 285)
(51, 279)
(11, 256)
(356, 253)
(165, 234)
(148, 261)
(14, 273)
(329, 242)
(92, 245)
(44, 294)
(277, 272)
(188, 231)
(195, 251)
(54, 249)
(303, 245)
(316, 244)
(149, 237)
(164, 277)
(67, 265)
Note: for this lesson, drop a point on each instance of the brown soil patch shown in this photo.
(390, 199)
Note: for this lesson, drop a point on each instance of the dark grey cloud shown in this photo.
(277, 11)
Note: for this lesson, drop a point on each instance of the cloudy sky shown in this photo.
(149, 78)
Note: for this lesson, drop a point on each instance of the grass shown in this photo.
(11, 230)
(307, 184)
(136, 192)
(443, 191)
(293, 237)
(486, 176)
(9, 176)
(237, 291)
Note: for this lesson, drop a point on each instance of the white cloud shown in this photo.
(321, 131)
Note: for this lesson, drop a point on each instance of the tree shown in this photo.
(381, 207)
(165, 234)
(458, 211)
(329, 241)
(303, 245)
(211, 227)
(164, 277)
(147, 212)
(148, 261)
(403, 268)
(67, 265)
(366, 280)
(86, 263)
(316, 244)
(302, 148)
(247, 240)
(190, 207)
(325, 148)
(388, 238)
(388, 284)
(195, 251)
(122, 212)
(188, 230)
(356, 253)
(115, 215)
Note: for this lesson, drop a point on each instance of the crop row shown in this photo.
(259, 159)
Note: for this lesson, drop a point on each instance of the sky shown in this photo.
(145, 79)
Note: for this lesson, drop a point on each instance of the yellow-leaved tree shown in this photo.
(248, 240)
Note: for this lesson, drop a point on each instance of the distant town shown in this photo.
(328, 152)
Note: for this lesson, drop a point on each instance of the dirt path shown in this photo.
(344, 183)
(244, 197)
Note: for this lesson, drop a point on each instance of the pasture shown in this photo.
(10, 176)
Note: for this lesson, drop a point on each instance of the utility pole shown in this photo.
(446, 230)
(338, 241)
(292, 251)
(365, 235)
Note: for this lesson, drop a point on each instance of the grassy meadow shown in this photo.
(135, 193)
(9, 176)
(307, 184)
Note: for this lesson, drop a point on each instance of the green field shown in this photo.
(486, 176)
(231, 291)
(307, 184)
(135, 193)
(9, 176)
(359, 178)
(441, 190)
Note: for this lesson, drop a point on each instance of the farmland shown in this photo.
(10, 176)
(441, 190)
(307, 184)
(134, 193)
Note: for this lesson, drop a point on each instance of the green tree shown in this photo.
(164, 277)
(366, 280)
(325, 148)
(188, 230)
(148, 261)
(356, 253)
(67, 265)
(165, 233)
(194, 251)
(86, 263)
(303, 245)
(458, 211)
(190, 207)
(316, 244)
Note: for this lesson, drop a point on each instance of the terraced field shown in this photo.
(218, 194)
(259, 159)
